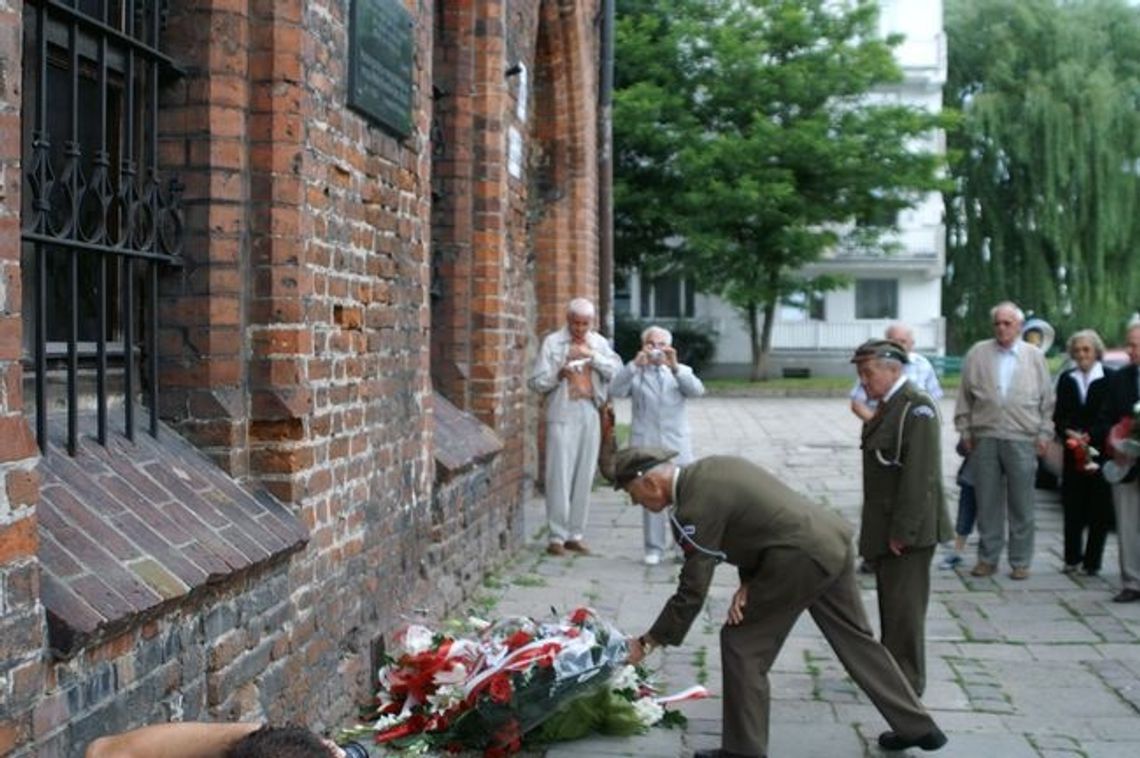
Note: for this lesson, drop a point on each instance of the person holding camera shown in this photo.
(658, 386)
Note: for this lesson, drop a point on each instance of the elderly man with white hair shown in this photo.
(572, 370)
(658, 386)
(918, 369)
(1004, 414)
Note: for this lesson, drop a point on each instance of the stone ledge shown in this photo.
(129, 529)
(460, 439)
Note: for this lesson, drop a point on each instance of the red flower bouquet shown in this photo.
(492, 691)
(1083, 453)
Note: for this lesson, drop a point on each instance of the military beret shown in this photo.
(632, 462)
(888, 349)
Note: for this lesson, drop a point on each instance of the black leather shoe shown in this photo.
(718, 753)
(932, 740)
(1126, 596)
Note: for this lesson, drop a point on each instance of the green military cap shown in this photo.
(888, 349)
(632, 462)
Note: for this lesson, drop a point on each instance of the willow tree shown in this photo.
(1047, 161)
(746, 145)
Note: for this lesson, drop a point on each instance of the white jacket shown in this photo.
(552, 357)
(659, 396)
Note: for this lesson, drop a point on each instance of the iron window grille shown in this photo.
(98, 221)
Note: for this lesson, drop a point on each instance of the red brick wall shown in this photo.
(21, 621)
(300, 345)
(510, 251)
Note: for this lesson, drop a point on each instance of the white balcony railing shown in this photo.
(929, 337)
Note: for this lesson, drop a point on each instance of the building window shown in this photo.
(623, 298)
(666, 297)
(876, 298)
(97, 219)
(816, 307)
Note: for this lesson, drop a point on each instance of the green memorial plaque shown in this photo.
(380, 48)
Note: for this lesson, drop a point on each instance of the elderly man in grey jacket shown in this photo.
(659, 386)
(572, 370)
(1004, 414)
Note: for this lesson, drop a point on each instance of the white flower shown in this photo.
(388, 721)
(477, 623)
(417, 639)
(446, 698)
(648, 711)
(624, 678)
(1136, 409)
(456, 675)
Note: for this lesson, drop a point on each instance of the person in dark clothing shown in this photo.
(1085, 496)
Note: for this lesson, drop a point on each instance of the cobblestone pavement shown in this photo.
(1043, 667)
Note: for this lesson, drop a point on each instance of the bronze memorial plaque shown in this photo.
(380, 48)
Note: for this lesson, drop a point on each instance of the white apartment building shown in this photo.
(903, 286)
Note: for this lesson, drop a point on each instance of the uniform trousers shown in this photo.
(903, 583)
(789, 582)
(571, 460)
(1126, 500)
(1003, 480)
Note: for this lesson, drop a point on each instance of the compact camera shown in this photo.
(656, 355)
(354, 750)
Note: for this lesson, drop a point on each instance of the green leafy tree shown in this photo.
(746, 146)
(1047, 157)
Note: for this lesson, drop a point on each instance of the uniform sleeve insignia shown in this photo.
(923, 411)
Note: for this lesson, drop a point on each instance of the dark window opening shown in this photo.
(877, 298)
(668, 296)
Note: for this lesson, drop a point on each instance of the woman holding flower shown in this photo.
(1085, 497)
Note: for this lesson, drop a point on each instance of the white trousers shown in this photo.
(571, 460)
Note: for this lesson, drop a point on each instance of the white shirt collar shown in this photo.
(895, 387)
(1012, 349)
(1090, 376)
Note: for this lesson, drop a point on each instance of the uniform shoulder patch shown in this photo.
(922, 411)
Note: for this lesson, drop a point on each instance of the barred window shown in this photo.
(97, 219)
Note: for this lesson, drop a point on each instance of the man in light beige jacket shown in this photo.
(1004, 415)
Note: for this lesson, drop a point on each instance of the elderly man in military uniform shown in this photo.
(792, 555)
(904, 514)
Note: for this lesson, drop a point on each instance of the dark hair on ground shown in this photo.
(280, 742)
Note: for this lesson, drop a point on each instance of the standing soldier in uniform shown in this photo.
(792, 555)
(904, 514)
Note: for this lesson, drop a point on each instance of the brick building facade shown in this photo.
(333, 323)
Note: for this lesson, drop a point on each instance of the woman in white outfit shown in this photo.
(658, 386)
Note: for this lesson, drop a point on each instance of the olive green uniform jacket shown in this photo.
(902, 475)
(730, 506)
(792, 556)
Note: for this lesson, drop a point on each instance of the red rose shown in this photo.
(580, 616)
(500, 689)
(517, 640)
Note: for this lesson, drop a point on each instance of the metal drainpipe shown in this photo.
(606, 173)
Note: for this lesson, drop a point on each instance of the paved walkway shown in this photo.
(1044, 667)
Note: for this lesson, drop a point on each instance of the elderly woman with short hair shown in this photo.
(1085, 496)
